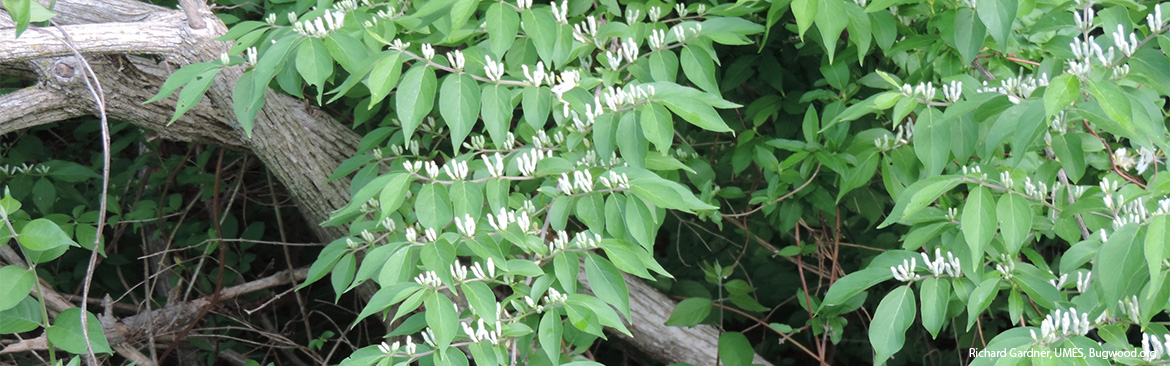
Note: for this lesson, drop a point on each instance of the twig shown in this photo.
(95, 89)
(781, 198)
(1112, 162)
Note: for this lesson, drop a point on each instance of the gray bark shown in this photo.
(300, 145)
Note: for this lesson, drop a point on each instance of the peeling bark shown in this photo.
(297, 142)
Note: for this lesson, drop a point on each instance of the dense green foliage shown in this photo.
(780, 166)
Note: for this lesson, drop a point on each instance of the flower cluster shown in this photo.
(1153, 348)
(527, 162)
(905, 272)
(582, 181)
(924, 90)
(1018, 88)
(1154, 20)
(482, 334)
(586, 32)
(505, 218)
(616, 98)
(902, 135)
(23, 169)
(1084, 279)
(1062, 323)
(616, 181)
(950, 265)
(392, 349)
(1131, 308)
(465, 225)
(1006, 268)
(321, 26)
(953, 91)
(537, 77)
(493, 70)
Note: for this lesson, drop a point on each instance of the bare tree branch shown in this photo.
(149, 37)
(35, 106)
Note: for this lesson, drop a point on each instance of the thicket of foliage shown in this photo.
(773, 165)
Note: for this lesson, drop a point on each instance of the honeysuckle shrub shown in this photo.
(510, 146)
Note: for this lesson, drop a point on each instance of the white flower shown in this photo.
(1155, 22)
(466, 225)
(905, 272)
(1145, 158)
(1084, 279)
(456, 59)
(561, 14)
(568, 81)
(432, 169)
(428, 51)
(493, 70)
(457, 170)
(528, 161)
(496, 170)
(535, 78)
(630, 50)
(1124, 159)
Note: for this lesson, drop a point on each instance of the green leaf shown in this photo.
(980, 298)
(502, 24)
(43, 234)
(179, 78)
(689, 312)
(697, 113)
(1156, 241)
(433, 207)
(15, 287)
(459, 98)
(536, 103)
(852, 284)
(342, 274)
(245, 102)
(666, 193)
(1015, 221)
(978, 222)
(1114, 102)
(735, 350)
(664, 66)
(467, 199)
(23, 317)
(998, 15)
(969, 35)
(415, 97)
(831, 19)
(193, 92)
(442, 319)
(393, 194)
(20, 11)
(887, 331)
(549, 334)
(1062, 91)
(935, 293)
(497, 109)
(932, 140)
(917, 196)
(314, 62)
(1118, 264)
(383, 77)
(699, 69)
(540, 26)
(482, 300)
(657, 125)
(325, 261)
(607, 283)
(1071, 155)
(805, 11)
(66, 333)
